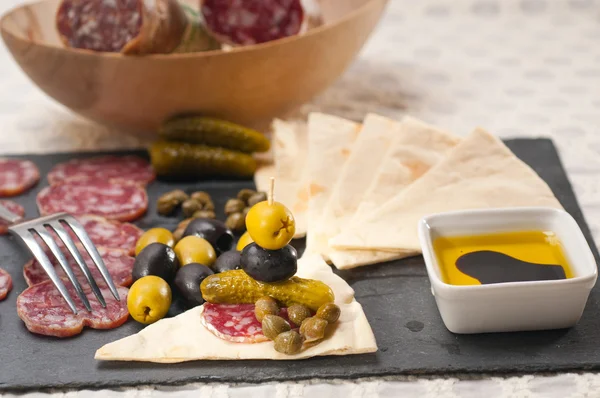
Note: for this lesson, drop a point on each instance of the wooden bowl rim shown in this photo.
(202, 54)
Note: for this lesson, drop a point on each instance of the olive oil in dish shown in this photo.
(501, 257)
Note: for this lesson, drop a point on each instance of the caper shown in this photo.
(204, 214)
(178, 233)
(313, 329)
(265, 306)
(190, 206)
(209, 205)
(168, 202)
(234, 206)
(273, 326)
(245, 194)
(245, 211)
(288, 342)
(329, 312)
(256, 198)
(298, 313)
(236, 222)
(202, 197)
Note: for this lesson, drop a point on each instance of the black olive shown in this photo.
(269, 265)
(188, 280)
(228, 261)
(156, 259)
(178, 306)
(214, 231)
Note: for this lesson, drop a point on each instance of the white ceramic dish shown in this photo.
(507, 307)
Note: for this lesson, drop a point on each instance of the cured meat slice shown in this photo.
(122, 201)
(235, 322)
(126, 26)
(106, 168)
(252, 21)
(44, 310)
(5, 284)
(110, 234)
(13, 207)
(119, 265)
(17, 176)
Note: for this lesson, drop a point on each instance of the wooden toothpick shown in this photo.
(271, 190)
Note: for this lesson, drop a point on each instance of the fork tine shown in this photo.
(93, 252)
(49, 241)
(28, 238)
(64, 236)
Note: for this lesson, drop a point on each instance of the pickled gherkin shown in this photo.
(236, 287)
(214, 132)
(183, 161)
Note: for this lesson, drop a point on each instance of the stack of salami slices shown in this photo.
(16, 177)
(102, 193)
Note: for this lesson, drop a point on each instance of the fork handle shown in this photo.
(8, 215)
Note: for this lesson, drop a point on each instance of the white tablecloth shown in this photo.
(518, 68)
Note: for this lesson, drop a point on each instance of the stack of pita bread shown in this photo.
(358, 190)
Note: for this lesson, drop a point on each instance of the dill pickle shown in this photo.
(183, 161)
(214, 132)
(237, 287)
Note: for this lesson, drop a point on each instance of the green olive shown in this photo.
(149, 299)
(330, 312)
(271, 226)
(244, 241)
(265, 306)
(298, 313)
(193, 249)
(313, 329)
(273, 326)
(288, 342)
(154, 235)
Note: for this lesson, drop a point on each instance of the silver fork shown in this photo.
(28, 230)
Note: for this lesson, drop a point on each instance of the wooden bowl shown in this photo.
(249, 85)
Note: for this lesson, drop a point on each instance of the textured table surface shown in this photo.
(518, 68)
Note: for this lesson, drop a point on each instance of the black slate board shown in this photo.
(396, 297)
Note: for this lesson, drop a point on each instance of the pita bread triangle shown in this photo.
(184, 338)
(416, 147)
(330, 142)
(480, 172)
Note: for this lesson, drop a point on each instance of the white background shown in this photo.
(518, 68)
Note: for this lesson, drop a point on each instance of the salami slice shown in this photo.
(235, 322)
(252, 21)
(13, 207)
(5, 284)
(110, 234)
(17, 176)
(44, 310)
(127, 26)
(106, 168)
(122, 201)
(119, 265)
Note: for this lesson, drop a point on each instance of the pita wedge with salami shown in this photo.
(185, 338)
(480, 172)
(330, 142)
(415, 148)
(288, 167)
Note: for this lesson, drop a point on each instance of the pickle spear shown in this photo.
(184, 161)
(214, 132)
